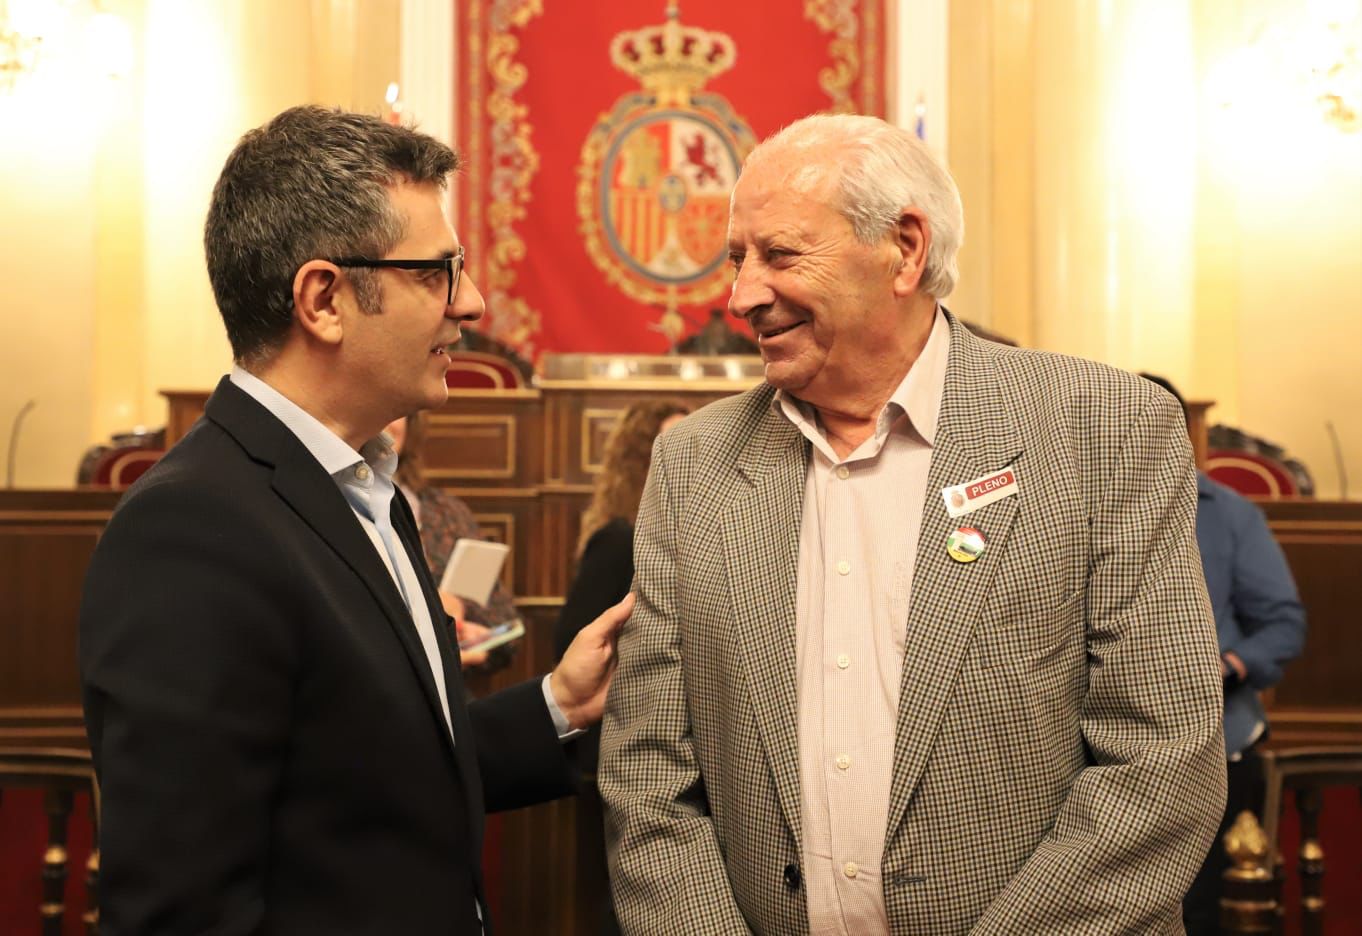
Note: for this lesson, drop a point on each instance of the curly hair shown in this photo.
(628, 454)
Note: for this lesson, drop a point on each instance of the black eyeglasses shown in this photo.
(453, 267)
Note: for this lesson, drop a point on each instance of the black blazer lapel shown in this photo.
(302, 484)
(465, 754)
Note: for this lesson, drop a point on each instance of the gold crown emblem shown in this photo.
(672, 61)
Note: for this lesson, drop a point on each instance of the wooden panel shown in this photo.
(1320, 699)
(183, 408)
(597, 424)
(509, 515)
(46, 540)
(464, 447)
(577, 420)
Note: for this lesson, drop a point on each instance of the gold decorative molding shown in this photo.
(503, 523)
(838, 18)
(854, 48)
(592, 417)
(512, 164)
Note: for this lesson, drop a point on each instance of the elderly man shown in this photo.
(922, 643)
(273, 701)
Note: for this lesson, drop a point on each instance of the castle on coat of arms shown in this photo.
(657, 170)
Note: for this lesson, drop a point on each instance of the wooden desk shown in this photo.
(46, 540)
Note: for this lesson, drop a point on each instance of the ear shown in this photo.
(316, 288)
(912, 238)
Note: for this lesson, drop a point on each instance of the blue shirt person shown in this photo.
(1258, 615)
(1260, 625)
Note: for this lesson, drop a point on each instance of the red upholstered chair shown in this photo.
(478, 370)
(131, 465)
(60, 774)
(1250, 474)
(118, 468)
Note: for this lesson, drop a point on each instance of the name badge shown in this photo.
(968, 497)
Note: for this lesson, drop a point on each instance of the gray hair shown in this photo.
(885, 169)
(310, 184)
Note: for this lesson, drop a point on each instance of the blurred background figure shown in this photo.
(1260, 624)
(443, 520)
(605, 572)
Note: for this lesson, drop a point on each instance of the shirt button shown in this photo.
(850, 869)
(362, 472)
(843, 761)
(843, 567)
(843, 661)
(843, 472)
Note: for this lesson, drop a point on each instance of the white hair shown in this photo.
(885, 169)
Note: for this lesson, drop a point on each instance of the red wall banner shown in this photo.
(602, 142)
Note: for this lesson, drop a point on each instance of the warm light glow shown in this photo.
(109, 45)
(72, 41)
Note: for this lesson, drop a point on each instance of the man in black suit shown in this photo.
(273, 702)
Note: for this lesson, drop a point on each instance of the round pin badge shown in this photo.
(965, 544)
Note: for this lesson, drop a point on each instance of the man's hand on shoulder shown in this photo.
(581, 679)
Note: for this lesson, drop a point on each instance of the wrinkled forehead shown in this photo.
(806, 173)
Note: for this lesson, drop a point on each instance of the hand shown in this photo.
(471, 633)
(1230, 663)
(454, 606)
(580, 681)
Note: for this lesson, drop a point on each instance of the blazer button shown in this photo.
(792, 876)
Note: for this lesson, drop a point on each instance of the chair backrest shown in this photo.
(118, 468)
(131, 465)
(478, 370)
(1252, 900)
(1250, 474)
(60, 773)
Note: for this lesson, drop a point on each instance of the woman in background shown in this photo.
(605, 572)
(443, 520)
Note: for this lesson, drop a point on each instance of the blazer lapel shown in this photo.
(761, 552)
(974, 437)
(312, 494)
(464, 754)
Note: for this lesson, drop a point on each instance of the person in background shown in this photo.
(443, 519)
(605, 571)
(1260, 625)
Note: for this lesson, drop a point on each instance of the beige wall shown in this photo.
(1146, 182)
(1151, 183)
(106, 301)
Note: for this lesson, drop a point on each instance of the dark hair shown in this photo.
(310, 184)
(624, 468)
(1167, 385)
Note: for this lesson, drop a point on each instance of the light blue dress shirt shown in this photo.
(365, 478)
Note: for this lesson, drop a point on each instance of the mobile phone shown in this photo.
(513, 629)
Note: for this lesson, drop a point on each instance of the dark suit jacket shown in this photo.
(263, 719)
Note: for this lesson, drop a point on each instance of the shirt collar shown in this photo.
(330, 450)
(918, 394)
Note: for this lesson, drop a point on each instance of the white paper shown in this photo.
(473, 569)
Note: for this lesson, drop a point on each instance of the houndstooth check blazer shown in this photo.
(1059, 766)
